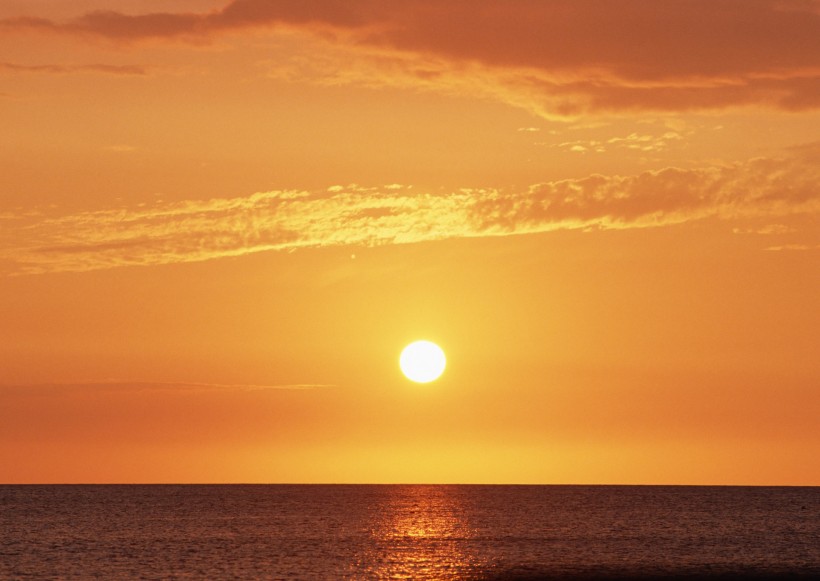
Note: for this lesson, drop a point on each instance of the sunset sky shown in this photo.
(221, 221)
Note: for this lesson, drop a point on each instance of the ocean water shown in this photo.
(408, 532)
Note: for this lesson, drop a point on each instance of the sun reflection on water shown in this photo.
(420, 532)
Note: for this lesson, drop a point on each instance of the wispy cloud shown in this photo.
(644, 143)
(787, 247)
(120, 148)
(6, 67)
(166, 233)
(555, 57)
(766, 230)
(137, 386)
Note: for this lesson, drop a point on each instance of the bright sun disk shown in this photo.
(422, 361)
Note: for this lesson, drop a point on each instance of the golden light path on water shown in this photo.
(420, 533)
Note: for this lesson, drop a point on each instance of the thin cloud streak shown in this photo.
(558, 58)
(790, 247)
(6, 67)
(191, 231)
(134, 386)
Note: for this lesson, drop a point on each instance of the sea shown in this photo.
(317, 532)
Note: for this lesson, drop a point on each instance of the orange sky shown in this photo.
(220, 222)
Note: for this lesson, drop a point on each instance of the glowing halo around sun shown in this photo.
(422, 361)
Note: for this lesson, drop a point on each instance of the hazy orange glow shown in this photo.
(221, 221)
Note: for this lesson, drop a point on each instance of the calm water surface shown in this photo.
(407, 532)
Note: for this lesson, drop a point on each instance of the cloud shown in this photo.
(555, 57)
(139, 386)
(644, 143)
(67, 69)
(655, 198)
(166, 233)
(766, 230)
(236, 15)
(112, 413)
(793, 247)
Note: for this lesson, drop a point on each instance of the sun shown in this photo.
(422, 361)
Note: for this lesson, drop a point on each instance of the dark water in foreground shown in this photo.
(408, 532)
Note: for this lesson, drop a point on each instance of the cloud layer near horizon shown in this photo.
(556, 57)
(191, 231)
